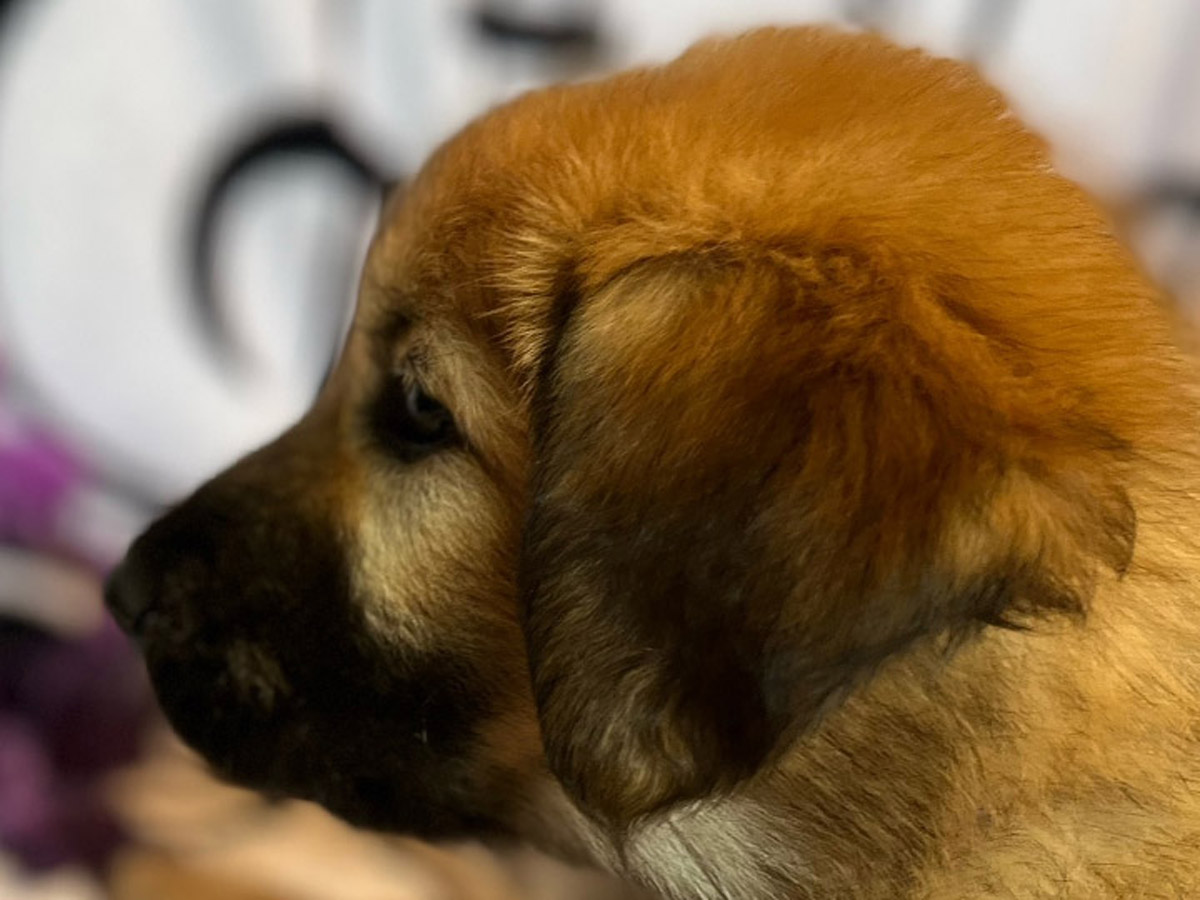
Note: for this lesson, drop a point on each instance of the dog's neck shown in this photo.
(719, 849)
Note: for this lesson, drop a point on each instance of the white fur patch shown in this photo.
(726, 849)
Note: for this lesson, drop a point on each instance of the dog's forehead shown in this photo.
(460, 227)
(471, 251)
(505, 213)
(573, 184)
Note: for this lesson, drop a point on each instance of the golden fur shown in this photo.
(820, 453)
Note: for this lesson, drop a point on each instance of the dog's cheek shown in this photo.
(433, 563)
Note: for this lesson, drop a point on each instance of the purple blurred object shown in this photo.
(25, 781)
(36, 476)
(69, 713)
(70, 710)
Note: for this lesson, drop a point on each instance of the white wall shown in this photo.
(113, 111)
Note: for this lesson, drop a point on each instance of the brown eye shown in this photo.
(431, 421)
(408, 422)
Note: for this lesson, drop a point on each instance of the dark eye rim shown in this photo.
(408, 422)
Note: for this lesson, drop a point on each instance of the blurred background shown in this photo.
(186, 192)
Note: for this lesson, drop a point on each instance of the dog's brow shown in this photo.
(385, 331)
(389, 327)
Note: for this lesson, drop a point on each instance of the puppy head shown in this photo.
(696, 395)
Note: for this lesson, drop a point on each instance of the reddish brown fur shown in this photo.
(830, 462)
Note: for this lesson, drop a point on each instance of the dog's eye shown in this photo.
(430, 420)
(410, 423)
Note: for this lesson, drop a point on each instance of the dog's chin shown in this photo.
(352, 761)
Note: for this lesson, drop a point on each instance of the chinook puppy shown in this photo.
(761, 476)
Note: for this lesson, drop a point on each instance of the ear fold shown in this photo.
(756, 479)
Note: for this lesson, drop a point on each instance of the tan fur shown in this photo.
(1056, 764)
(828, 461)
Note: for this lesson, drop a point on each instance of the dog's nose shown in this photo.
(129, 595)
(152, 591)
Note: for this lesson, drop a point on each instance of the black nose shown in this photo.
(129, 595)
(151, 593)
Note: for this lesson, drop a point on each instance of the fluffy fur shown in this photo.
(817, 518)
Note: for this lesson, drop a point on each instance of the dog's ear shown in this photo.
(756, 479)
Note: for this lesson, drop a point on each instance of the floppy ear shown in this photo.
(759, 476)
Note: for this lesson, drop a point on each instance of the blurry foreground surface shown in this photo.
(186, 190)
